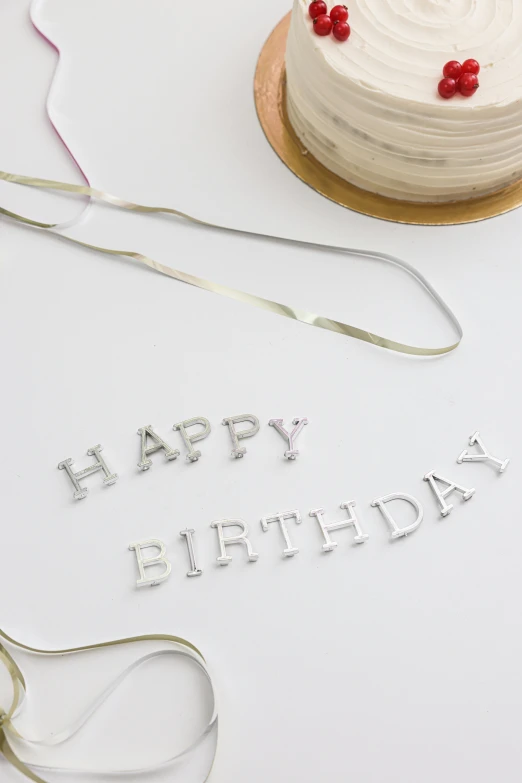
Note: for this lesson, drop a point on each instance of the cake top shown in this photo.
(399, 47)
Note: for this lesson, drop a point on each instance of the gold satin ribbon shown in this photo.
(19, 686)
(256, 301)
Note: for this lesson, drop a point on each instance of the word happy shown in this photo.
(151, 443)
(441, 487)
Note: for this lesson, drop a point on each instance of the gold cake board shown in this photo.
(269, 94)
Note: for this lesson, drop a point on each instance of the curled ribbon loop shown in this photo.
(8, 731)
(303, 316)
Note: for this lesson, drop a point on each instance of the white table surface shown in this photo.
(384, 663)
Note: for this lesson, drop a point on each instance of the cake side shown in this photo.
(368, 108)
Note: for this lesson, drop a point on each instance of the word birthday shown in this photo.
(441, 487)
(151, 442)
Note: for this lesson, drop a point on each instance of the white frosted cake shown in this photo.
(368, 108)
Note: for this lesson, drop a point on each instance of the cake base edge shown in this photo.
(270, 102)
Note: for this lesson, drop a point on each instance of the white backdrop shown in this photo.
(386, 662)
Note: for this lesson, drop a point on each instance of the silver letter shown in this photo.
(240, 538)
(432, 477)
(230, 421)
(188, 440)
(396, 531)
(187, 535)
(330, 545)
(148, 432)
(151, 561)
(100, 464)
(290, 550)
(289, 436)
(484, 456)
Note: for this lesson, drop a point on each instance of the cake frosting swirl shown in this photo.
(368, 108)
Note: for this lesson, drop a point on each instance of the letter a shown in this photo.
(147, 432)
(432, 477)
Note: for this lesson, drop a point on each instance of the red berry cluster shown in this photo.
(463, 78)
(334, 22)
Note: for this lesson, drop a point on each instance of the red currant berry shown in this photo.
(447, 88)
(339, 13)
(468, 83)
(317, 8)
(341, 31)
(323, 25)
(452, 70)
(470, 66)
